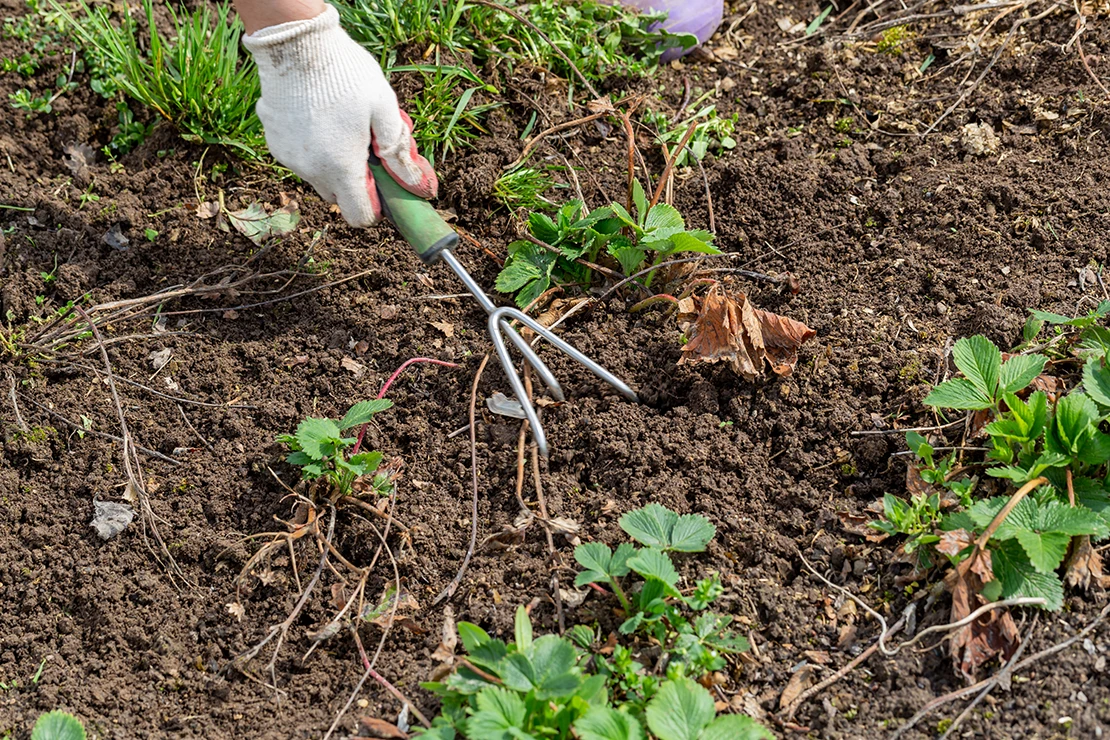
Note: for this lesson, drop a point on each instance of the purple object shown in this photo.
(699, 17)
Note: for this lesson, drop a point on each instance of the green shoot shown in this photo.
(711, 134)
(524, 188)
(320, 450)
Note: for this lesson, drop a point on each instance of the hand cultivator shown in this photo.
(434, 240)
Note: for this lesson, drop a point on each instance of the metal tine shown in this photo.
(532, 359)
(563, 346)
(514, 380)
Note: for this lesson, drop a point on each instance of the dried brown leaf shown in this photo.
(208, 209)
(857, 525)
(952, 543)
(354, 368)
(799, 682)
(236, 610)
(782, 337)
(1084, 564)
(992, 635)
(724, 329)
(449, 640)
(446, 327)
(380, 728)
(77, 160)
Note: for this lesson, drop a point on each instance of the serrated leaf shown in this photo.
(553, 659)
(1056, 516)
(299, 458)
(1075, 416)
(472, 636)
(685, 242)
(605, 723)
(254, 223)
(664, 217)
(623, 215)
(618, 566)
(680, 710)
(543, 228)
(366, 462)
(652, 525)
(958, 393)
(596, 558)
(1045, 550)
(58, 725)
(1024, 516)
(1019, 371)
(499, 710)
(522, 629)
(1096, 381)
(691, 533)
(363, 411)
(1019, 578)
(980, 361)
(735, 727)
(652, 563)
(515, 275)
(630, 259)
(318, 437)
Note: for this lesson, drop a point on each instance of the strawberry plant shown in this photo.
(543, 688)
(321, 451)
(608, 234)
(693, 638)
(1034, 437)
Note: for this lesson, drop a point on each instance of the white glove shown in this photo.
(324, 101)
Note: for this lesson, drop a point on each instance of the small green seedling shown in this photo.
(321, 451)
(711, 133)
(652, 234)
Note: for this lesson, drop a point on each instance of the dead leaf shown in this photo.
(297, 360)
(230, 314)
(77, 160)
(723, 326)
(426, 281)
(236, 610)
(572, 599)
(1050, 384)
(449, 640)
(160, 358)
(254, 223)
(208, 209)
(953, 542)
(857, 525)
(1084, 565)
(115, 239)
(563, 525)
(362, 347)
(992, 635)
(447, 328)
(353, 367)
(388, 313)
(110, 518)
(799, 682)
(821, 657)
(394, 608)
(379, 728)
(781, 337)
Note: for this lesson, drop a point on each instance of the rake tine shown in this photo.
(514, 379)
(531, 358)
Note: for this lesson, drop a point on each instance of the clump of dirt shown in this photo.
(900, 245)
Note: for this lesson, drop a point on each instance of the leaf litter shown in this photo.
(724, 326)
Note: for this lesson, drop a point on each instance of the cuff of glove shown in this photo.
(317, 51)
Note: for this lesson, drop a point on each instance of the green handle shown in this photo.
(419, 223)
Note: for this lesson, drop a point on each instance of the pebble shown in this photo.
(1005, 270)
(363, 703)
(1089, 646)
(941, 309)
(1100, 664)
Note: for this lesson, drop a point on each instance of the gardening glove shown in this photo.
(324, 103)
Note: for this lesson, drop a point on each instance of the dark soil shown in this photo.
(900, 244)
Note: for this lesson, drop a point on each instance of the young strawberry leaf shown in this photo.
(522, 629)
(1019, 371)
(1020, 579)
(680, 711)
(735, 727)
(980, 361)
(1096, 381)
(658, 526)
(318, 437)
(606, 723)
(654, 564)
(58, 725)
(363, 411)
(601, 563)
(958, 393)
(639, 199)
(543, 228)
(501, 713)
(1045, 550)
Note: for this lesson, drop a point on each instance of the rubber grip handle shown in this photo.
(419, 223)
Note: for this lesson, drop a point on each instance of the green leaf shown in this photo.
(499, 710)
(58, 725)
(680, 711)
(1019, 371)
(367, 462)
(683, 241)
(652, 525)
(1032, 328)
(1052, 318)
(605, 723)
(318, 437)
(472, 636)
(618, 566)
(1073, 521)
(639, 199)
(664, 218)
(816, 22)
(919, 446)
(596, 558)
(736, 726)
(1019, 578)
(623, 215)
(581, 635)
(691, 533)
(363, 411)
(1045, 550)
(552, 660)
(652, 563)
(543, 228)
(516, 274)
(959, 393)
(1076, 415)
(630, 259)
(979, 360)
(522, 629)
(299, 458)
(1096, 381)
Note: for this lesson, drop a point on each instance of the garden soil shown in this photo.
(899, 245)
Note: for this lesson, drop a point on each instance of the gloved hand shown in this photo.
(324, 103)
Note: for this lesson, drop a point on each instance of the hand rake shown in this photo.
(431, 237)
